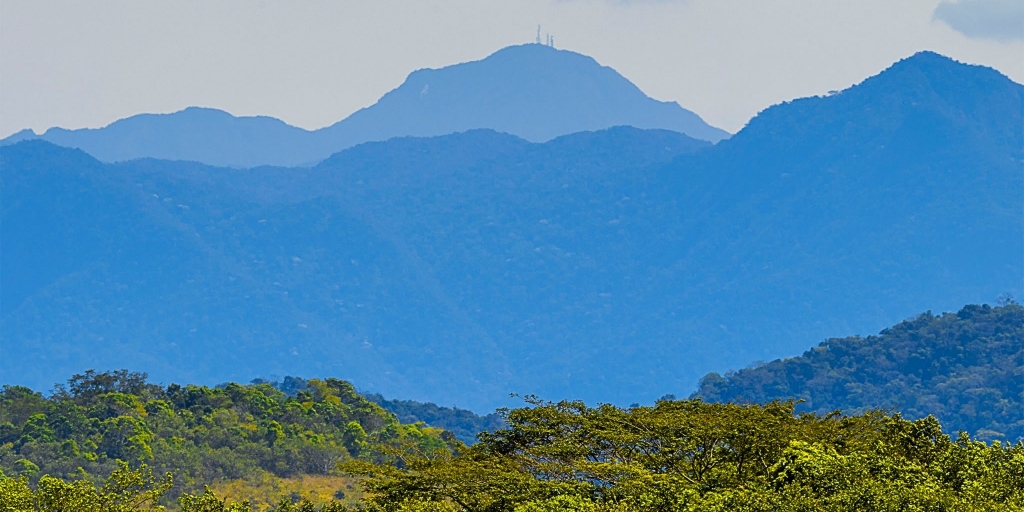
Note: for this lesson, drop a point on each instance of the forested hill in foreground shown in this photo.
(320, 441)
(463, 423)
(684, 455)
(204, 436)
(966, 368)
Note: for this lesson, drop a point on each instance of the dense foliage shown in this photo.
(965, 368)
(200, 434)
(464, 424)
(690, 455)
(678, 455)
(126, 490)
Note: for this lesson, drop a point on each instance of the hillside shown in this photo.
(613, 266)
(532, 91)
(965, 368)
(292, 265)
(566, 456)
(462, 423)
(204, 436)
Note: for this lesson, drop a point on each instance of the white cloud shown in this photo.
(1001, 20)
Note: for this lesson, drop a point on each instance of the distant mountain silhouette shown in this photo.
(532, 91)
(615, 265)
(195, 134)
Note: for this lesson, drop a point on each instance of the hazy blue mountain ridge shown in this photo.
(818, 198)
(259, 259)
(196, 134)
(609, 266)
(532, 91)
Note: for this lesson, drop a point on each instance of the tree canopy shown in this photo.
(965, 368)
(676, 455)
(199, 434)
(689, 455)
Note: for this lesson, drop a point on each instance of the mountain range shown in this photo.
(613, 265)
(533, 91)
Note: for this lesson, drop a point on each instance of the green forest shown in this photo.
(202, 435)
(677, 455)
(924, 416)
(462, 423)
(966, 368)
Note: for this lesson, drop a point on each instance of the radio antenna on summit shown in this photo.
(538, 34)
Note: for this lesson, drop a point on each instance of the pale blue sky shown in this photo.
(86, 63)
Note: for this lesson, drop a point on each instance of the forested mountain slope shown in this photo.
(965, 368)
(532, 91)
(464, 424)
(615, 266)
(202, 435)
(269, 271)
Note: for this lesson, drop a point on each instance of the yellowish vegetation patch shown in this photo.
(267, 489)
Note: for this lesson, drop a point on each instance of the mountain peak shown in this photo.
(532, 52)
(527, 55)
(930, 60)
(923, 85)
(532, 91)
(19, 136)
(931, 72)
(928, 56)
